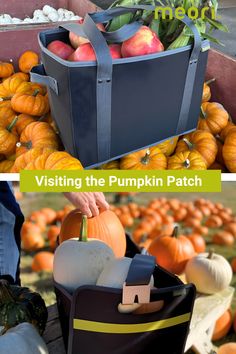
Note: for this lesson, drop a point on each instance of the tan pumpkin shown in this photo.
(187, 160)
(6, 69)
(168, 146)
(37, 134)
(201, 141)
(147, 159)
(33, 104)
(13, 85)
(214, 117)
(28, 60)
(229, 151)
(56, 160)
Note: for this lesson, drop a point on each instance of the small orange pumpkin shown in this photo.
(223, 238)
(22, 122)
(230, 126)
(31, 237)
(13, 85)
(223, 325)
(233, 266)
(28, 60)
(229, 151)
(147, 159)
(37, 134)
(33, 104)
(213, 221)
(22, 76)
(6, 69)
(43, 262)
(112, 165)
(206, 94)
(56, 160)
(6, 166)
(8, 140)
(201, 141)
(198, 242)
(187, 160)
(168, 146)
(24, 159)
(213, 117)
(50, 214)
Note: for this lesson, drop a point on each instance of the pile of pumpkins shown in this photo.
(28, 136)
(211, 146)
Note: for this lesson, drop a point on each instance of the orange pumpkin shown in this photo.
(147, 159)
(24, 159)
(37, 134)
(229, 151)
(31, 237)
(231, 227)
(198, 242)
(12, 86)
(6, 69)
(38, 218)
(202, 230)
(172, 252)
(168, 146)
(8, 139)
(187, 160)
(50, 215)
(6, 166)
(213, 221)
(228, 128)
(33, 104)
(106, 227)
(56, 160)
(43, 262)
(28, 60)
(214, 117)
(233, 266)
(6, 112)
(126, 220)
(112, 165)
(223, 325)
(20, 75)
(53, 232)
(22, 122)
(227, 348)
(223, 238)
(200, 141)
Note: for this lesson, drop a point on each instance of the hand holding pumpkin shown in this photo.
(89, 203)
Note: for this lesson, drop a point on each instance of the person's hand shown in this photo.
(89, 203)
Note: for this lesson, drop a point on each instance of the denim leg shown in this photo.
(9, 252)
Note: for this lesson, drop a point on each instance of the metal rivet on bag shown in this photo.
(100, 81)
(108, 80)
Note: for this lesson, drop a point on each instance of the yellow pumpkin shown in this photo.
(147, 159)
(187, 160)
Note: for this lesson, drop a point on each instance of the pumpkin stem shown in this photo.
(12, 124)
(35, 93)
(210, 81)
(210, 254)
(175, 231)
(188, 143)
(203, 114)
(187, 163)
(145, 160)
(6, 295)
(7, 98)
(28, 144)
(84, 229)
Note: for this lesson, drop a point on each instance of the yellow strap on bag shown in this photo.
(102, 327)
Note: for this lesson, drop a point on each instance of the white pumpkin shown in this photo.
(210, 272)
(79, 261)
(115, 273)
(22, 339)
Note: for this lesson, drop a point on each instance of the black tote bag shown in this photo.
(92, 323)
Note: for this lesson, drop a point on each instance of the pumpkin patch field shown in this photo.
(189, 234)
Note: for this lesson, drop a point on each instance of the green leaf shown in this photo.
(218, 25)
(174, 24)
(212, 39)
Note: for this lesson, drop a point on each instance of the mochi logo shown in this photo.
(179, 12)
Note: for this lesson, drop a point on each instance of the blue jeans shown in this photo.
(11, 220)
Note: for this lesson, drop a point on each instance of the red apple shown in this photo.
(145, 41)
(85, 52)
(61, 49)
(76, 40)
